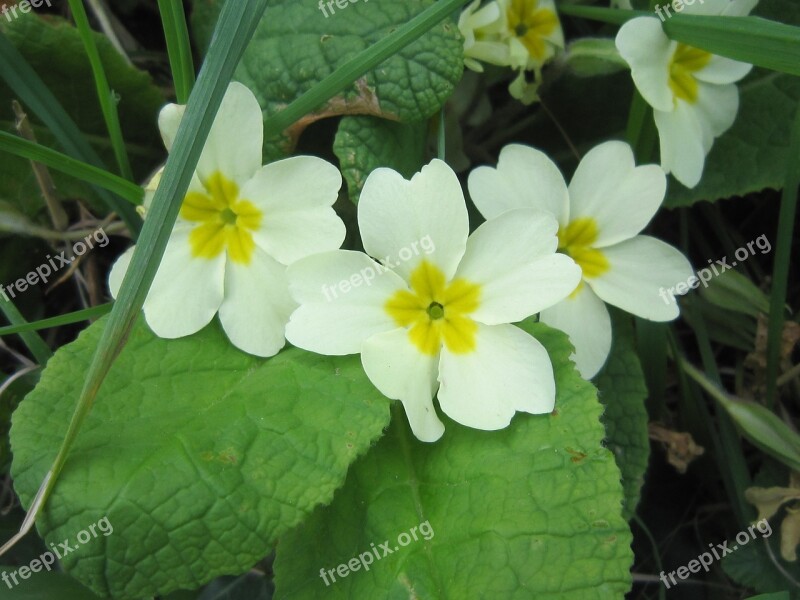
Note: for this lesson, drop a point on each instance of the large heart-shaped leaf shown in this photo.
(198, 454)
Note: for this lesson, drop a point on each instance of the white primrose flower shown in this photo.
(535, 31)
(521, 34)
(608, 203)
(239, 227)
(483, 30)
(439, 320)
(692, 92)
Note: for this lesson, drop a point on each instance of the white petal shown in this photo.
(396, 215)
(524, 178)
(621, 197)
(186, 292)
(513, 259)
(740, 8)
(168, 121)
(342, 296)
(717, 107)
(681, 138)
(647, 49)
(585, 319)
(641, 272)
(234, 143)
(257, 305)
(722, 71)
(296, 195)
(401, 372)
(728, 8)
(118, 271)
(509, 371)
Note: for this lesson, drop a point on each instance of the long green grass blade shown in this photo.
(108, 103)
(70, 318)
(31, 339)
(179, 48)
(783, 255)
(753, 40)
(70, 166)
(34, 94)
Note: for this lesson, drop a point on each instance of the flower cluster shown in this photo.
(258, 245)
(520, 34)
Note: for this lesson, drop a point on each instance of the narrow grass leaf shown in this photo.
(70, 318)
(40, 351)
(108, 103)
(70, 166)
(179, 48)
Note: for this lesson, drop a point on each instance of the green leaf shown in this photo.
(623, 391)
(590, 57)
(198, 454)
(752, 566)
(774, 596)
(363, 144)
(531, 511)
(295, 47)
(768, 102)
(735, 292)
(46, 585)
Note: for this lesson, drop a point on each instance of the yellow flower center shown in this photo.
(225, 221)
(576, 240)
(532, 25)
(437, 312)
(685, 62)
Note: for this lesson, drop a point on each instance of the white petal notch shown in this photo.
(608, 204)
(431, 309)
(692, 92)
(240, 226)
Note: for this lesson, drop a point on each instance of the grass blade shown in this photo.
(108, 103)
(179, 48)
(70, 166)
(74, 317)
(34, 94)
(40, 351)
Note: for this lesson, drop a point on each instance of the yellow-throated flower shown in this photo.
(239, 227)
(439, 320)
(692, 92)
(608, 203)
(521, 34)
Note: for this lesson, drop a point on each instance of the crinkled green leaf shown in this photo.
(531, 511)
(295, 46)
(363, 144)
(199, 454)
(623, 391)
(53, 47)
